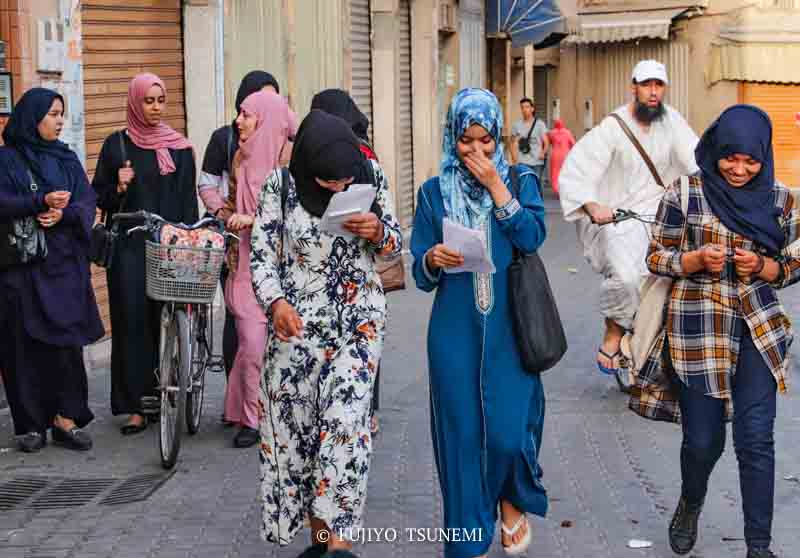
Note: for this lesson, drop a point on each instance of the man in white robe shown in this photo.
(605, 172)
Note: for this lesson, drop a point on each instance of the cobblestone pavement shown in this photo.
(611, 476)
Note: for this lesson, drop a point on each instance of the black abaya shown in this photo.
(135, 318)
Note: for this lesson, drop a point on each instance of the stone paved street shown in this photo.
(611, 476)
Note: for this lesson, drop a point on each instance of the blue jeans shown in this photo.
(754, 395)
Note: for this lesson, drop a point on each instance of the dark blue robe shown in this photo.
(487, 413)
(48, 310)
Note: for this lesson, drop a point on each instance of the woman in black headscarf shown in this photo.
(327, 313)
(723, 354)
(215, 177)
(48, 310)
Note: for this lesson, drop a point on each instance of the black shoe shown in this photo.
(760, 553)
(246, 437)
(683, 527)
(339, 554)
(32, 442)
(75, 438)
(131, 429)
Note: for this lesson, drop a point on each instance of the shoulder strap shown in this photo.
(530, 132)
(122, 148)
(33, 185)
(684, 207)
(284, 187)
(515, 190)
(639, 148)
(685, 195)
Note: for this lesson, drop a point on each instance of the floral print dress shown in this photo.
(316, 445)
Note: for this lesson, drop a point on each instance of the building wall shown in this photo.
(204, 78)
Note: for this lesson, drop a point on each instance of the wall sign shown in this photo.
(6, 94)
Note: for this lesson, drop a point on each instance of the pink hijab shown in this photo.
(261, 152)
(159, 138)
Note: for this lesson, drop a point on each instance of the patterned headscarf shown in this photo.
(466, 200)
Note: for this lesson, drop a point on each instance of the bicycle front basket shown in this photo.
(182, 274)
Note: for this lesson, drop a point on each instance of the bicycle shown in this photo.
(184, 277)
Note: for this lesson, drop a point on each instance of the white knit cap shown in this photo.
(650, 69)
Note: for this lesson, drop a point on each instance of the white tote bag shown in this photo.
(649, 319)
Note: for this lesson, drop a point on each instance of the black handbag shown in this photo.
(525, 143)
(534, 315)
(22, 240)
(104, 234)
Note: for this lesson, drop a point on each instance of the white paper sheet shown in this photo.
(471, 244)
(355, 200)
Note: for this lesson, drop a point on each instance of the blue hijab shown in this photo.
(466, 201)
(750, 210)
(22, 134)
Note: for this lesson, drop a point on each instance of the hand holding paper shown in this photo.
(345, 205)
(471, 244)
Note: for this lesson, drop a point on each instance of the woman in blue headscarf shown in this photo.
(48, 310)
(723, 354)
(487, 412)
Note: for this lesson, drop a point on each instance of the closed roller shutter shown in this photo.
(361, 48)
(122, 38)
(405, 160)
(782, 103)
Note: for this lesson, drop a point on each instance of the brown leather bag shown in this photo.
(393, 274)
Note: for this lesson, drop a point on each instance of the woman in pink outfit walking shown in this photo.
(264, 123)
(561, 140)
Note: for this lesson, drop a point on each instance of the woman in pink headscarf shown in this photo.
(264, 123)
(147, 166)
(561, 140)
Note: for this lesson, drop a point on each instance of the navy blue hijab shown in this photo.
(22, 134)
(750, 210)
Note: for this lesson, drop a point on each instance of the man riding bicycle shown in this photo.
(607, 170)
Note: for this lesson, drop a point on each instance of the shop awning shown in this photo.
(624, 26)
(526, 22)
(757, 45)
(770, 62)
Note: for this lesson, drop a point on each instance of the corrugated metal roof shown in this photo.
(624, 26)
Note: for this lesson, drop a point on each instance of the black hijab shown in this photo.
(750, 210)
(326, 147)
(254, 82)
(339, 103)
(22, 134)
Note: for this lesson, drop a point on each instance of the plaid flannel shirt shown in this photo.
(706, 313)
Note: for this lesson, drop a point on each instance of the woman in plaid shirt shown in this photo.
(723, 353)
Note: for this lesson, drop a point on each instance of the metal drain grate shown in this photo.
(72, 493)
(135, 489)
(18, 490)
(44, 493)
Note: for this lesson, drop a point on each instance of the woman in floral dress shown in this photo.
(328, 314)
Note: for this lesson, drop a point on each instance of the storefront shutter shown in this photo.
(361, 48)
(782, 104)
(405, 160)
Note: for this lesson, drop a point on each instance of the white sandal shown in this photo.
(522, 546)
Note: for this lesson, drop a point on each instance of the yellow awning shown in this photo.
(757, 44)
(624, 26)
(770, 62)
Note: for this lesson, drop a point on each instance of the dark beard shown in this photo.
(646, 114)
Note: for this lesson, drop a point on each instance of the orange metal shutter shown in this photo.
(782, 103)
(122, 38)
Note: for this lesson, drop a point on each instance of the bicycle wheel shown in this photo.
(197, 376)
(174, 374)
